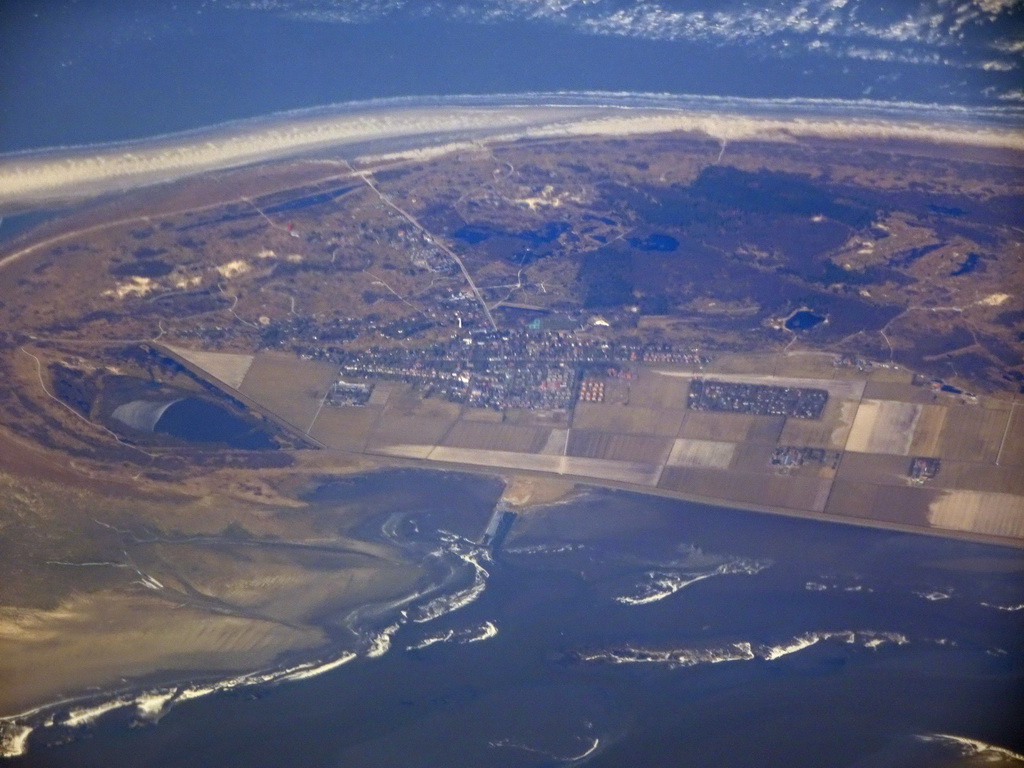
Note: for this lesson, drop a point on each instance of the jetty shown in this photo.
(498, 527)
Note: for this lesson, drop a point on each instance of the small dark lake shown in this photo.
(804, 319)
(968, 265)
(655, 242)
(308, 200)
(477, 233)
(200, 421)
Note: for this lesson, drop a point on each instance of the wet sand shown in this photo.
(111, 586)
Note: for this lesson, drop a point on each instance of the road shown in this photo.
(365, 176)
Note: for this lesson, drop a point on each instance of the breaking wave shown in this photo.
(933, 595)
(1011, 607)
(14, 739)
(429, 604)
(739, 651)
(475, 634)
(697, 566)
(545, 549)
(444, 596)
(469, 554)
(381, 643)
(590, 750)
(304, 672)
(150, 705)
(972, 747)
(828, 584)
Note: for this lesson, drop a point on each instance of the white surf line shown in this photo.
(667, 588)
(89, 714)
(742, 650)
(14, 739)
(1011, 608)
(587, 753)
(150, 704)
(381, 644)
(474, 634)
(86, 565)
(86, 171)
(973, 747)
(571, 759)
(314, 670)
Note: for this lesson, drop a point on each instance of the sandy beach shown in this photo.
(31, 179)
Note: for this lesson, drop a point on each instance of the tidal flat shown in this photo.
(611, 627)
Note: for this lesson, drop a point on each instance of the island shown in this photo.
(823, 324)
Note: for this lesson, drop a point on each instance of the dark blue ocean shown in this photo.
(617, 629)
(77, 73)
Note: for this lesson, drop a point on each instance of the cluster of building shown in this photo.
(546, 386)
(433, 259)
(592, 391)
(756, 399)
(525, 345)
(664, 354)
(853, 361)
(797, 456)
(507, 369)
(923, 468)
(349, 393)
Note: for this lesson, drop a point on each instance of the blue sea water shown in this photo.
(86, 72)
(617, 629)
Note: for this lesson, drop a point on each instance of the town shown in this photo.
(503, 370)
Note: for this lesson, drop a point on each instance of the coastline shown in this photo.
(151, 694)
(155, 688)
(63, 175)
(524, 490)
(556, 489)
(157, 664)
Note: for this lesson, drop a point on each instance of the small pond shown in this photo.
(201, 421)
(803, 320)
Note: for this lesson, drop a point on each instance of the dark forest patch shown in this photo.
(519, 247)
(151, 268)
(148, 253)
(905, 258)
(606, 275)
(185, 304)
(74, 387)
(779, 193)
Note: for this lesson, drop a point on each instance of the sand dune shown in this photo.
(71, 174)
